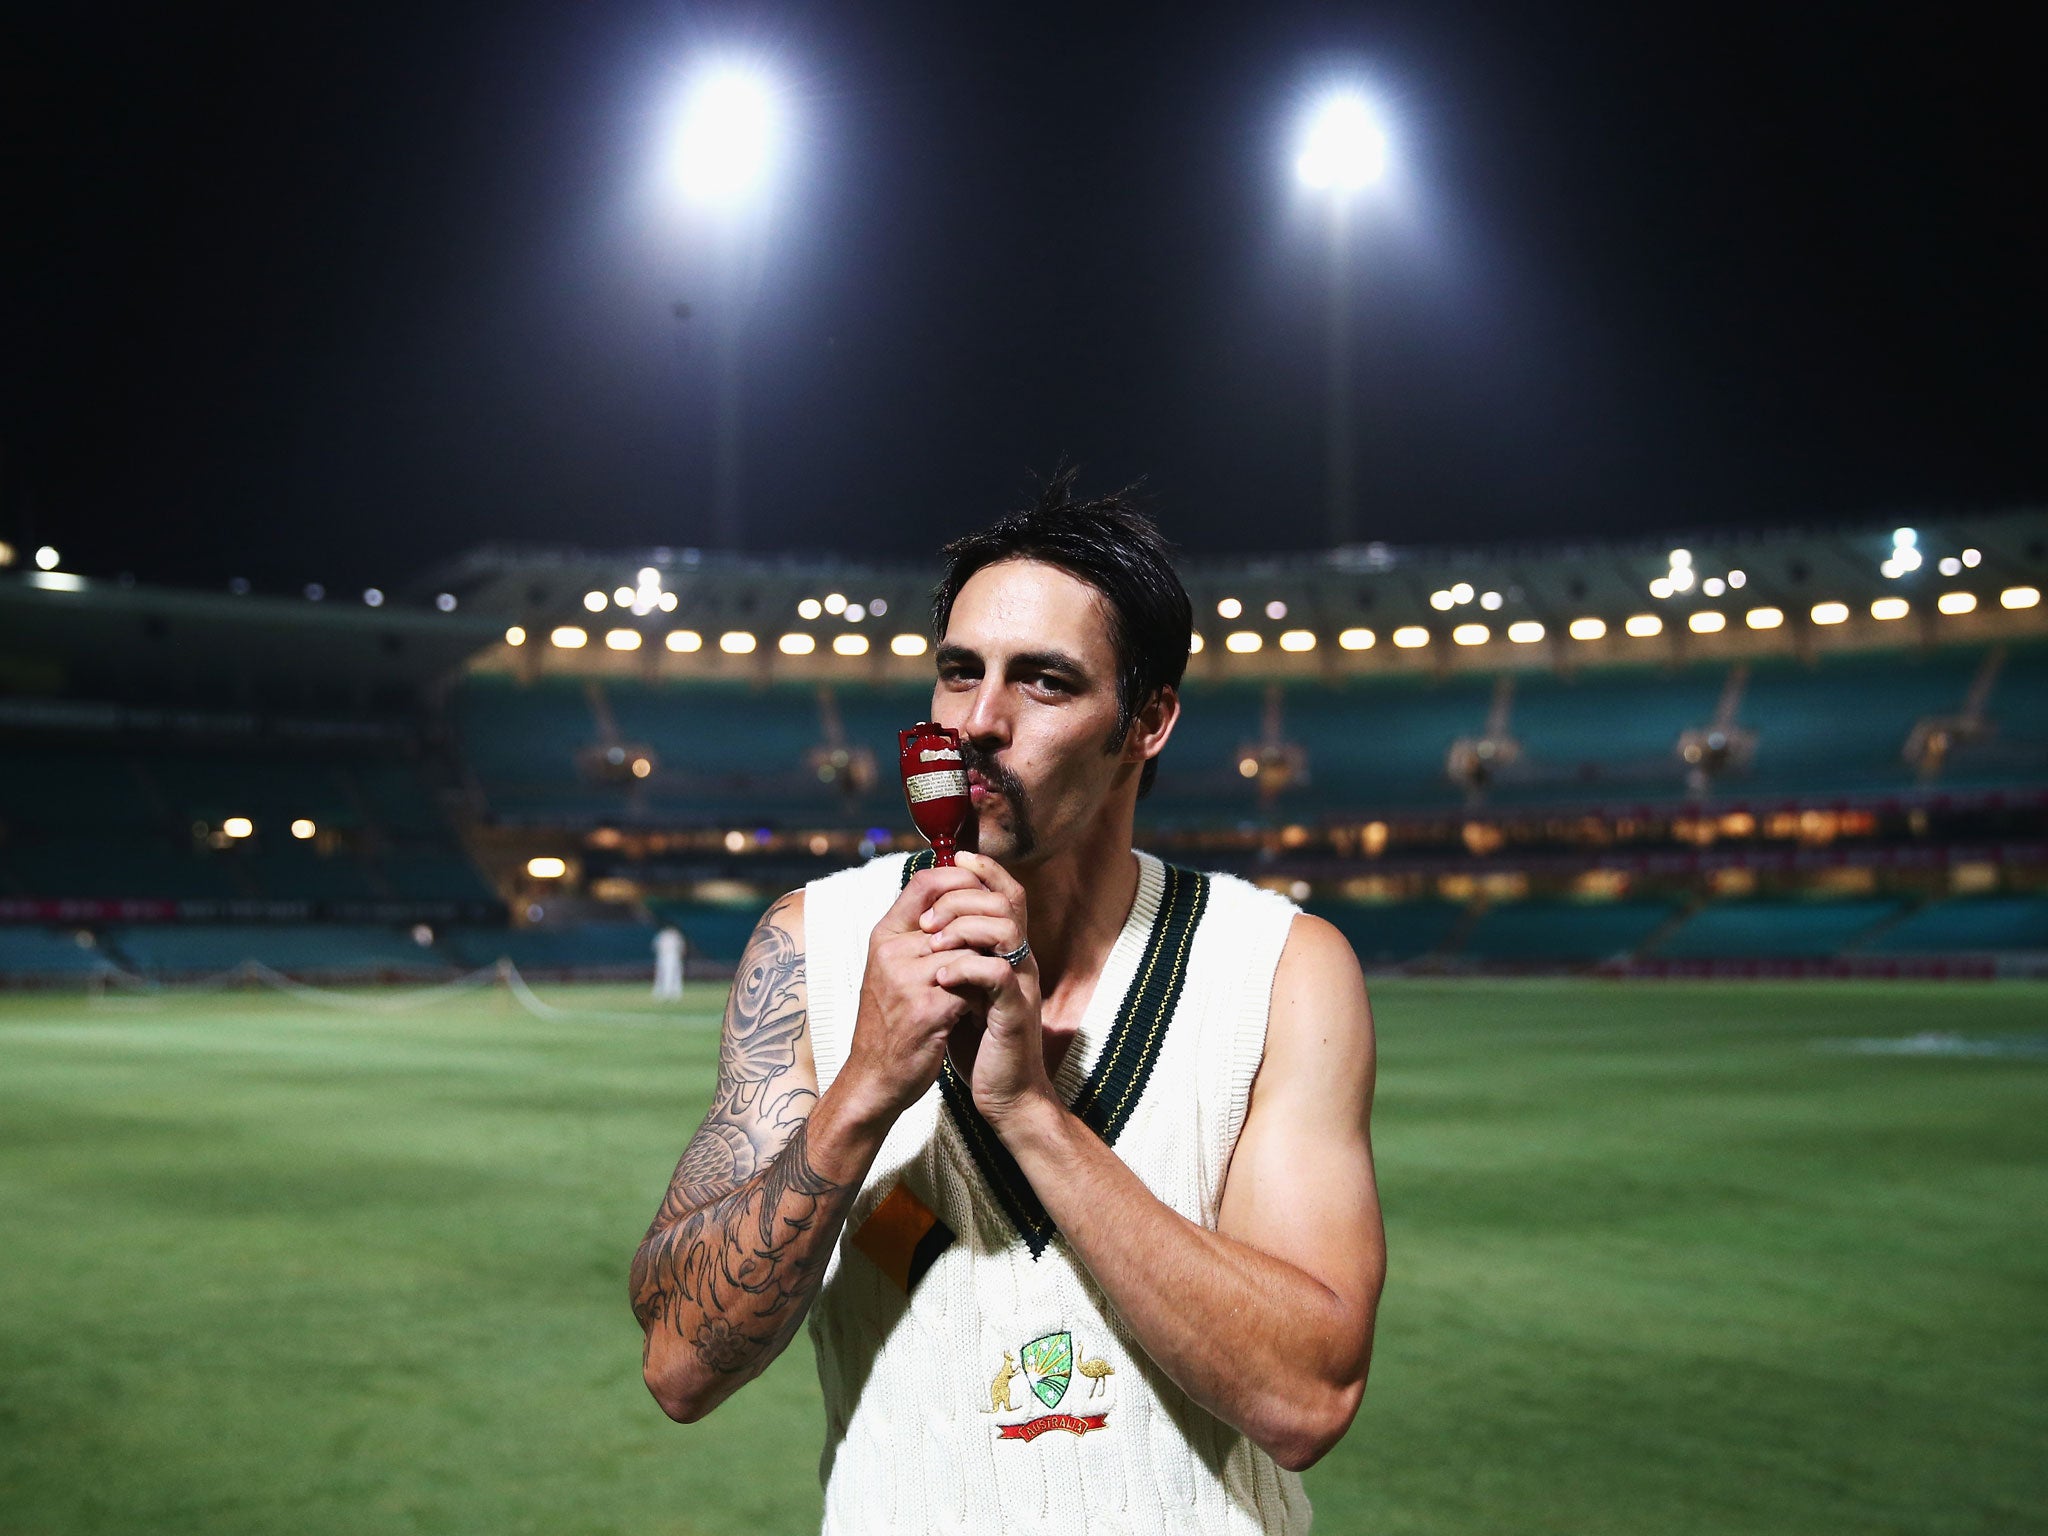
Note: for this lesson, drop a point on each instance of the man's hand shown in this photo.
(972, 927)
(906, 1013)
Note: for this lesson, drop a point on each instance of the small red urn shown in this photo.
(935, 784)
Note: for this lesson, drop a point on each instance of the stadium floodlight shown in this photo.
(1588, 629)
(6, 553)
(1194, 642)
(1660, 587)
(877, 606)
(516, 635)
(373, 598)
(835, 602)
(736, 642)
(642, 767)
(1957, 602)
(1298, 640)
(908, 645)
(46, 558)
(797, 643)
(1706, 622)
(1973, 557)
(1713, 586)
(1526, 632)
(1343, 148)
(683, 641)
(735, 842)
(667, 602)
(622, 639)
(594, 602)
(1441, 600)
(1276, 609)
(1356, 639)
(850, 645)
(809, 608)
(1764, 618)
(1641, 626)
(1679, 559)
(1248, 767)
(622, 597)
(1736, 579)
(547, 867)
(855, 612)
(1905, 538)
(728, 134)
(445, 601)
(1243, 641)
(1950, 566)
(567, 637)
(1462, 592)
(1471, 634)
(1229, 608)
(303, 828)
(2020, 597)
(238, 827)
(1490, 601)
(1411, 637)
(1830, 613)
(1890, 608)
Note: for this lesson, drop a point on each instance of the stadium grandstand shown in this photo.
(1787, 754)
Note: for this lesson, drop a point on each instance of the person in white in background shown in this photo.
(668, 965)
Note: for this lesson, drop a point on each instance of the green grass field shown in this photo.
(1661, 1263)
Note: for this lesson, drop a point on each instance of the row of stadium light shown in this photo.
(836, 604)
(1640, 626)
(1244, 642)
(734, 642)
(1905, 557)
(239, 827)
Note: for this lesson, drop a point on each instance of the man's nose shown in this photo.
(988, 715)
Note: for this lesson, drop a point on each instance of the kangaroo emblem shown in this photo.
(1094, 1370)
(999, 1389)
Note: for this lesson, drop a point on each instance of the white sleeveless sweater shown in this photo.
(976, 1380)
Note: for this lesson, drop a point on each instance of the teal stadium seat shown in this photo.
(715, 931)
(1564, 931)
(1841, 727)
(1394, 932)
(1969, 924)
(587, 946)
(35, 953)
(1775, 930)
(306, 948)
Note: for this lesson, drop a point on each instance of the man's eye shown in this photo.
(1051, 684)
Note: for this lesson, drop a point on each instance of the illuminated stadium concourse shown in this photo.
(1786, 753)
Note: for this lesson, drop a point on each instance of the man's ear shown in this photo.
(1153, 725)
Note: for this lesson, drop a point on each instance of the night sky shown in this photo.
(331, 293)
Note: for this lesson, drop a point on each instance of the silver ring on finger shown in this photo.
(1017, 956)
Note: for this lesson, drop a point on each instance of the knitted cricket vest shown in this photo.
(975, 1378)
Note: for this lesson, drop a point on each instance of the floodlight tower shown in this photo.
(722, 160)
(1343, 152)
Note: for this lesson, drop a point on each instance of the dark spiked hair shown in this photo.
(1112, 545)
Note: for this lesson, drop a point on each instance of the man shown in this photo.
(1065, 1151)
(668, 964)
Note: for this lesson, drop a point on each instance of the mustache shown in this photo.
(993, 773)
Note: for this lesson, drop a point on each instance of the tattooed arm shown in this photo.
(729, 1265)
(738, 1249)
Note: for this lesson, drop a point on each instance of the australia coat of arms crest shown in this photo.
(1046, 1367)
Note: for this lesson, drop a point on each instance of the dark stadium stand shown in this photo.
(1876, 795)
